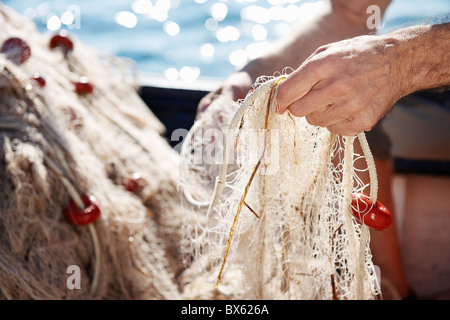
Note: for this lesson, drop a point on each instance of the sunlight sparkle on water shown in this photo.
(228, 33)
(160, 10)
(171, 74)
(67, 18)
(53, 23)
(207, 51)
(171, 28)
(211, 24)
(189, 74)
(259, 32)
(238, 58)
(141, 6)
(126, 19)
(219, 11)
(256, 49)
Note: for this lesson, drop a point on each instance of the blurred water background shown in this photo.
(190, 39)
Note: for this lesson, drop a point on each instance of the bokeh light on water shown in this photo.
(188, 39)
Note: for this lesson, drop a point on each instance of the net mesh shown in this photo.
(279, 224)
(56, 145)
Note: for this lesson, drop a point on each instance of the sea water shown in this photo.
(190, 39)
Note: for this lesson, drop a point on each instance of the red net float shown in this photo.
(89, 214)
(133, 183)
(38, 79)
(375, 216)
(61, 40)
(83, 86)
(16, 50)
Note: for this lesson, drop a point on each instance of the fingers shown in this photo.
(306, 77)
(323, 99)
(354, 125)
(325, 117)
(314, 100)
(328, 107)
(346, 127)
(295, 87)
(344, 118)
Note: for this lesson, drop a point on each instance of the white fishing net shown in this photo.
(56, 145)
(279, 224)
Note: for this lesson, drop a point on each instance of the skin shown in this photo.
(346, 78)
(337, 20)
(348, 86)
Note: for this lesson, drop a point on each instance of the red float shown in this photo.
(61, 40)
(16, 50)
(375, 216)
(83, 86)
(38, 79)
(134, 183)
(89, 214)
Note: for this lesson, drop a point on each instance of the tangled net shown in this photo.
(55, 146)
(279, 224)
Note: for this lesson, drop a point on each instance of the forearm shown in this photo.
(423, 57)
(336, 21)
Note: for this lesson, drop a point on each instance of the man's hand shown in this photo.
(334, 21)
(348, 86)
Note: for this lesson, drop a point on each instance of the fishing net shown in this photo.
(57, 145)
(279, 224)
